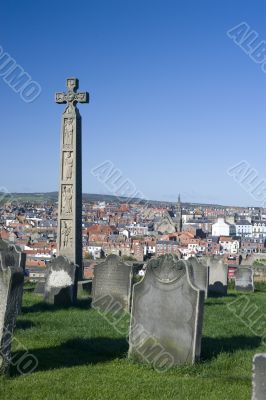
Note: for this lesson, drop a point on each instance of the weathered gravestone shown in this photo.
(259, 374)
(11, 288)
(112, 279)
(11, 256)
(244, 279)
(200, 274)
(218, 275)
(40, 285)
(61, 282)
(167, 315)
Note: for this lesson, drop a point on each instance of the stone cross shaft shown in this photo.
(69, 238)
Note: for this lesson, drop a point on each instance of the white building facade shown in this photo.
(222, 228)
(244, 228)
(259, 229)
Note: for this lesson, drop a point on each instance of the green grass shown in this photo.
(82, 357)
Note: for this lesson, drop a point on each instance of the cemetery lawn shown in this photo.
(81, 356)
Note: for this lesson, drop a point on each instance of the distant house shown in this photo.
(150, 248)
(138, 250)
(95, 249)
(99, 229)
(259, 229)
(229, 245)
(118, 248)
(167, 247)
(222, 228)
(137, 230)
(252, 245)
(243, 228)
(37, 274)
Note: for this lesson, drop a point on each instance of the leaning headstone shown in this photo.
(244, 279)
(167, 315)
(218, 276)
(200, 274)
(11, 256)
(259, 373)
(61, 283)
(11, 287)
(112, 278)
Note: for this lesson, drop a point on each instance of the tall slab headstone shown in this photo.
(167, 315)
(61, 284)
(12, 253)
(11, 288)
(69, 239)
(12, 256)
(244, 279)
(112, 279)
(259, 373)
(200, 274)
(218, 275)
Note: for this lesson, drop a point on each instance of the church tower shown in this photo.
(178, 217)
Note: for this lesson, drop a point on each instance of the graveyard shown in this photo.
(181, 330)
(111, 286)
(81, 356)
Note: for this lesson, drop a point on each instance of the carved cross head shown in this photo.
(71, 97)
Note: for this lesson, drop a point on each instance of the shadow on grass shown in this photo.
(75, 352)
(260, 287)
(83, 304)
(24, 324)
(219, 296)
(214, 303)
(212, 347)
(28, 289)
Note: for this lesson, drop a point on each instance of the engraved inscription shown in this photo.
(116, 283)
(112, 278)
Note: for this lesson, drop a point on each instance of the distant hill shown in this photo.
(29, 197)
(52, 197)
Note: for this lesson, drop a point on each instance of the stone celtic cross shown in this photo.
(69, 238)
(71, 97)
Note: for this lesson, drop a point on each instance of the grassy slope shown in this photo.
(82, 357)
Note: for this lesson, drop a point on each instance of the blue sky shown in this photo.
(174, 101)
